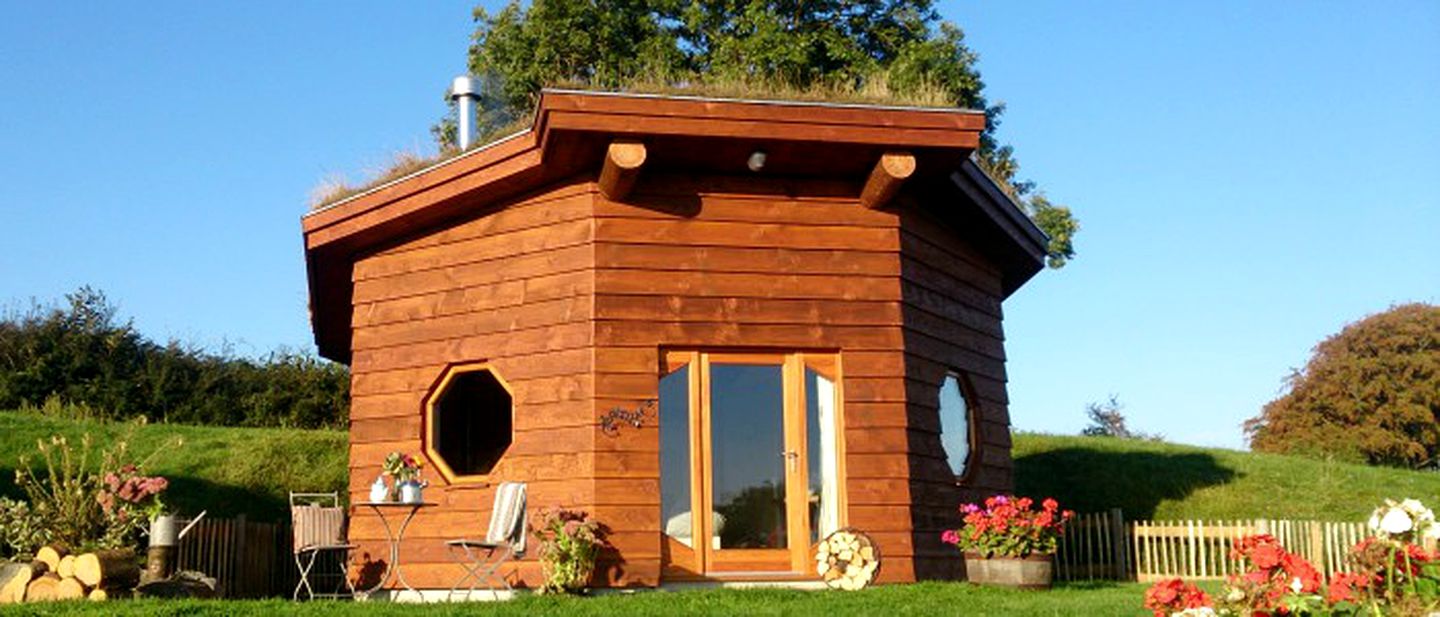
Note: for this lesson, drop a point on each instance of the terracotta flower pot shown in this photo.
(1033, 572)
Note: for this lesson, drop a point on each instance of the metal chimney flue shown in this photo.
(465, 95)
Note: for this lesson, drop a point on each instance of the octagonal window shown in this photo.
(471, 421)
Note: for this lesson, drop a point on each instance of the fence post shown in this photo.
(1120, 543)
(237, 568)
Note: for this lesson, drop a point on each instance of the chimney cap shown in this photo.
(463, 85)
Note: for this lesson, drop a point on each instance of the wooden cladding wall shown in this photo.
(952, 322)
(511, 287)
(728, 263)
(572, 298)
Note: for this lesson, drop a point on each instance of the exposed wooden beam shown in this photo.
(890, 172)
(620, 169)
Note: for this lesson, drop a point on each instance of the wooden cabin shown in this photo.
(723, 328)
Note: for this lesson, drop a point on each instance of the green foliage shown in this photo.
(81, 497)
(899, 49)
(80, 358)
(22, 530)
(1164, 481)
(1370, 394)
(570, 542)
(225, 471)
(930, 598)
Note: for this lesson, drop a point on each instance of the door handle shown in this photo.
(791, 457)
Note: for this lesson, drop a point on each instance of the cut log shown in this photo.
(42, 589)
(113, 569)
(15, 580)
(847, 559)
(71, 589)
(885, 179)
(621, 168)
(98, 595)
(66, 568)
(51, 555)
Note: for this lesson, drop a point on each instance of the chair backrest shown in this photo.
(507, 518)
(317, 520)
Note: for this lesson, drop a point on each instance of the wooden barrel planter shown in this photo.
(1033, 572)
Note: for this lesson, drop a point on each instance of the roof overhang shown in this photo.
(570, 134)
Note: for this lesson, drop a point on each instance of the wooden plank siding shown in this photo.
(511, 287)
(952, 322)
(572, 298)
(783, 265)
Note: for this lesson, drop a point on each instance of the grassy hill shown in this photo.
(233, 470)
(226, 471)
(1152, 480)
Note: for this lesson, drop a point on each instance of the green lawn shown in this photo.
(226, 471)
(1151, 480)
(920, 599)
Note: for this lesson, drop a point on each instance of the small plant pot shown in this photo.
(1033, 572)
(412, 492)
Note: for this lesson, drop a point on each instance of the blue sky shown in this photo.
(1250, 176)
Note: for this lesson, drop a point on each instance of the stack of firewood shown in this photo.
(57, 575)
(847, 559)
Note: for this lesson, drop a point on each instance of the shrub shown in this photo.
(82, 508)
(22, 530)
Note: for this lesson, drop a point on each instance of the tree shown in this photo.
(890, 46)
(1108, 420)
(1370, 393)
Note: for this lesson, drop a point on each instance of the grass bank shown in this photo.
(227, 471)
(1152, 480)
(919, 599)
(249, 470)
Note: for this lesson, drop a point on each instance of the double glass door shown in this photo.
(749, 461)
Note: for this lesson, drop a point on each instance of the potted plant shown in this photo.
(570, 541)
(405, 469)
(1008, 542)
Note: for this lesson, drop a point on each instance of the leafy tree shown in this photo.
(1370, 393)
(888, 46)
(1108, 420)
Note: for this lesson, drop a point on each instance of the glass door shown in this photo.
(749, 441)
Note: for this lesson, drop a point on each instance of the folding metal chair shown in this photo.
(505, 540)
(318, 523)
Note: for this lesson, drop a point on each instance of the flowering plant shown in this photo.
(570, 541)
(1175, 596)
(403, 467)
(1406, 520)
(1009, 526)
(1390, 575)
(1275, 579)
(129, 500)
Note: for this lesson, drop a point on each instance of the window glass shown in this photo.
(955, 424)
(748, 456)
(472, 423)
(675, 455)
(820, 425)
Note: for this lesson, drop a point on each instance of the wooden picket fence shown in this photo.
(247, 559)
(1103, 546)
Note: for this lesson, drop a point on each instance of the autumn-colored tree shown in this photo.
(1370, 393)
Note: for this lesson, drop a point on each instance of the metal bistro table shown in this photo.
(393, 538)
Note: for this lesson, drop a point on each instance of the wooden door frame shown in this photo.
(701, 557)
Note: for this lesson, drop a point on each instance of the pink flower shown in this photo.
(950, 537)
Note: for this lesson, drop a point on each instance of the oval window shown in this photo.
(956, 423)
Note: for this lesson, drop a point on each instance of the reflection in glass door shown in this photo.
(748, 455)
